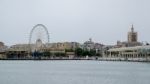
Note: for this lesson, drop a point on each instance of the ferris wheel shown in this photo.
(38, 36)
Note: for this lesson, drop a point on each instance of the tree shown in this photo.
(85, 53)
(92, 52)
(47, 54)
(79, 51)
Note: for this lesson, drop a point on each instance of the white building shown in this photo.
(130, 52)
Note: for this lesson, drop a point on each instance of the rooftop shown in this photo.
(130, 48)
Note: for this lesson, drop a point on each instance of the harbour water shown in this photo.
(73, 72)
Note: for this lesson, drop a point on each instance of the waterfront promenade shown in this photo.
(85, 58)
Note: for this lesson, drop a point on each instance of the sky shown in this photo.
(105, 21)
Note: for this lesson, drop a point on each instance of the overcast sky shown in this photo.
(105, 21)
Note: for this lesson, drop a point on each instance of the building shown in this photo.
(130, 53)
(63, 45)
(18, 51)
(132, 40)
(1, 44)
(3, 48)
(128, 44)
(132, 35)
(90, 45)
(67, 48)
(28, 50)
